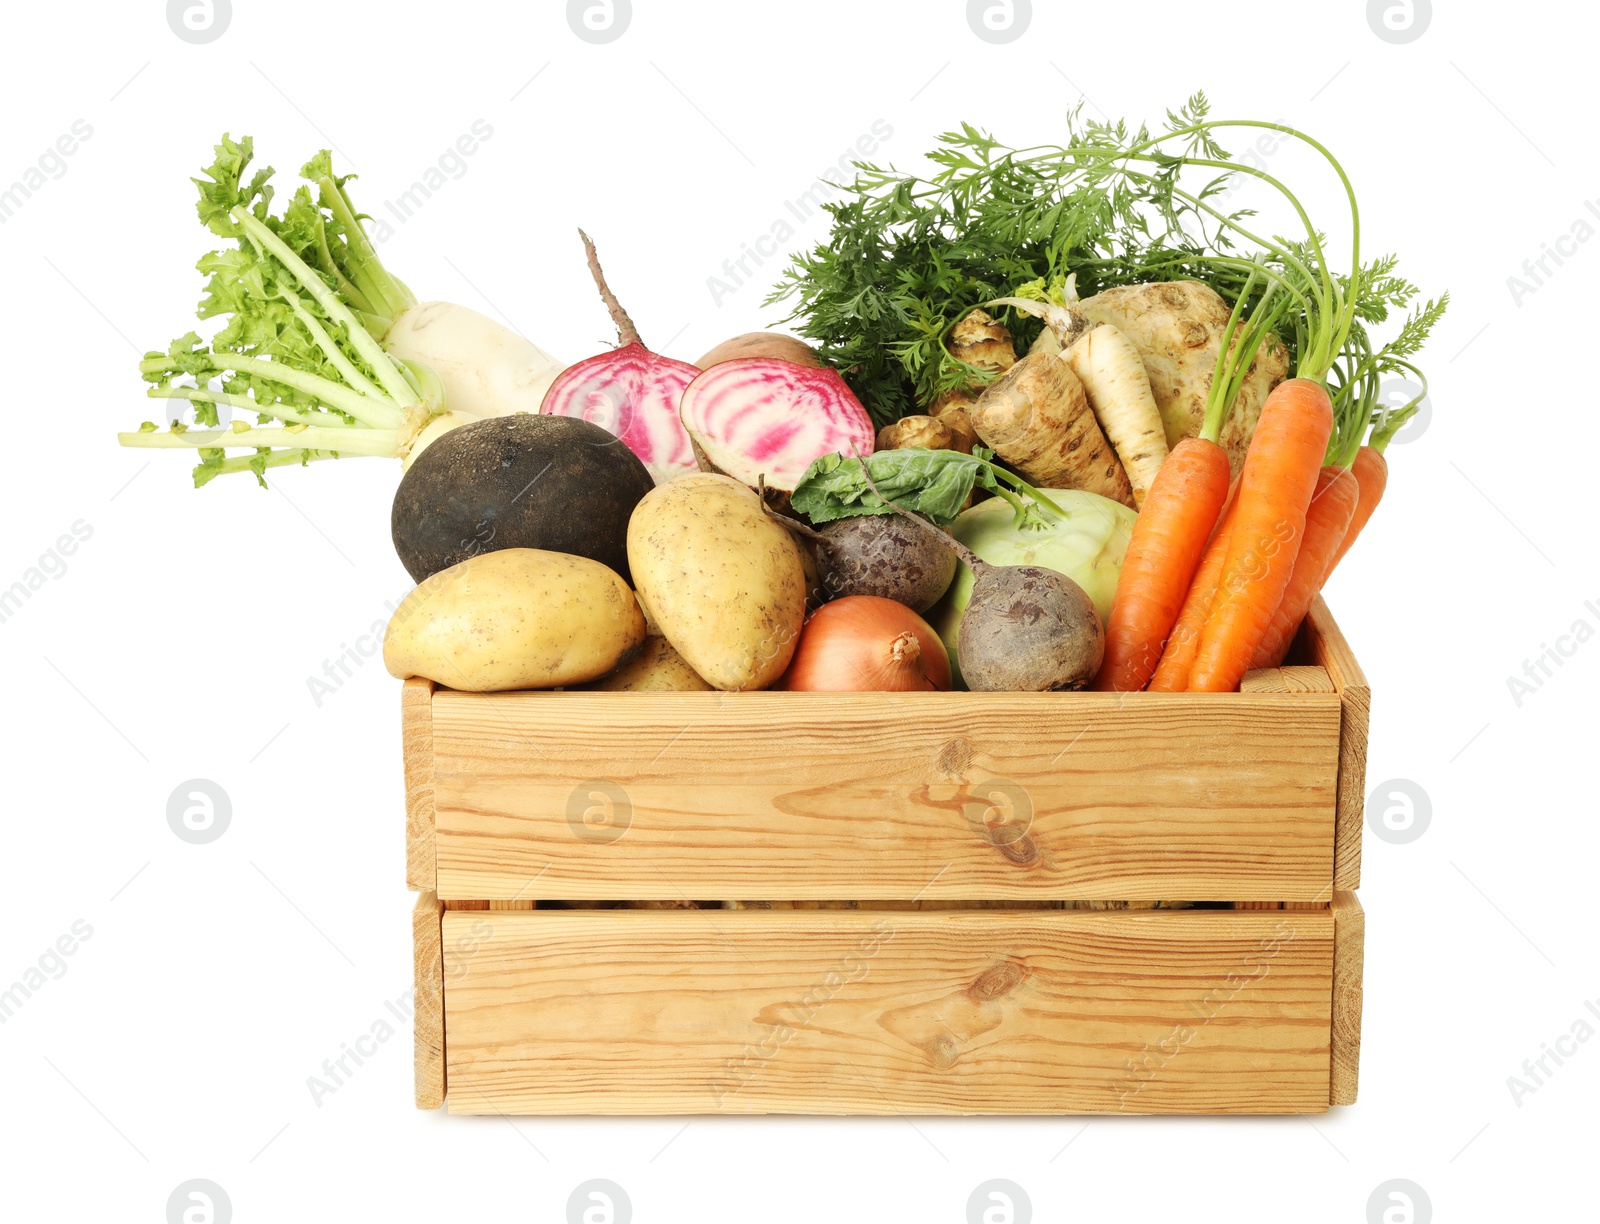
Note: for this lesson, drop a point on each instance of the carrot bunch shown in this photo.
(1216, 582)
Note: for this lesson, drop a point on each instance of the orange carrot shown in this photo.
(1180, 510)
(1371, 471)
(1269, 522)
(1327, 523)
(1183, 644)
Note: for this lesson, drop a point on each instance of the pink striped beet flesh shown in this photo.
(634, 394)
(760, 416)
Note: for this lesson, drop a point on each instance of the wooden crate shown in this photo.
(895, 809)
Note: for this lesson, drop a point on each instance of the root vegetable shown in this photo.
(484, 368)
(1327, 521)
(1113, 376)
(921, 431)
(761, 417)
(522, 481)
(1037, 418)
(722, 581)
(953, 413)
(1371, 471)
(657, 668)
(980, 341)
(630, 391)
(762, 344)
(1183, 643)
(1178, 326)
(514, 619)
(878, 554)
(864, 643)
(1269, 524)
(1169, 539)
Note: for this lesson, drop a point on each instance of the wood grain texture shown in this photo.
(1349, 959)
(428, 1016)
(1298, 679)
(1327, 647)
(416, 741)
(606, 1011)
(885, 796)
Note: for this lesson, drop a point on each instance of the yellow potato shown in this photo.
(658, 668)
(724, 583)
(517, 618)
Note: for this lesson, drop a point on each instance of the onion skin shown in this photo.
(866, 644)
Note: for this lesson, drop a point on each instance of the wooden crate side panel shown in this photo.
(1327, 647)
(1349, 959)
(878, 1013)
(416, 732)
(428, 1018)
(1296, 679)
(885, 796)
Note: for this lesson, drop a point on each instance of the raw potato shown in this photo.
(1037, 418)
(922, 432)
(1177, 327)
(1113, 375)
(658, 668)
(723, 581)
(517, 618)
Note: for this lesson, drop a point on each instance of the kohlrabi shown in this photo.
(332, 353)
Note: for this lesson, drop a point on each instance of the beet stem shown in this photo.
(971, 559)
(793, 524)
(627, 333)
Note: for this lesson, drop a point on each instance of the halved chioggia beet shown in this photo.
(757, 417)
(629, 391)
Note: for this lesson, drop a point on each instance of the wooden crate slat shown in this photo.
(910, 1013)
(1328, 648)
(1349, 956)
(1297, 679)
(428, 1012)
(416, 742)
(876, 795)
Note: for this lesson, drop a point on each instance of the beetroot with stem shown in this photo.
(756, 417)
(629, 391)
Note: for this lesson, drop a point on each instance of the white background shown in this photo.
(179, 641)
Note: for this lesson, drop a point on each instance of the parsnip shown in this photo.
(1037, 418)
(1113, 375)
